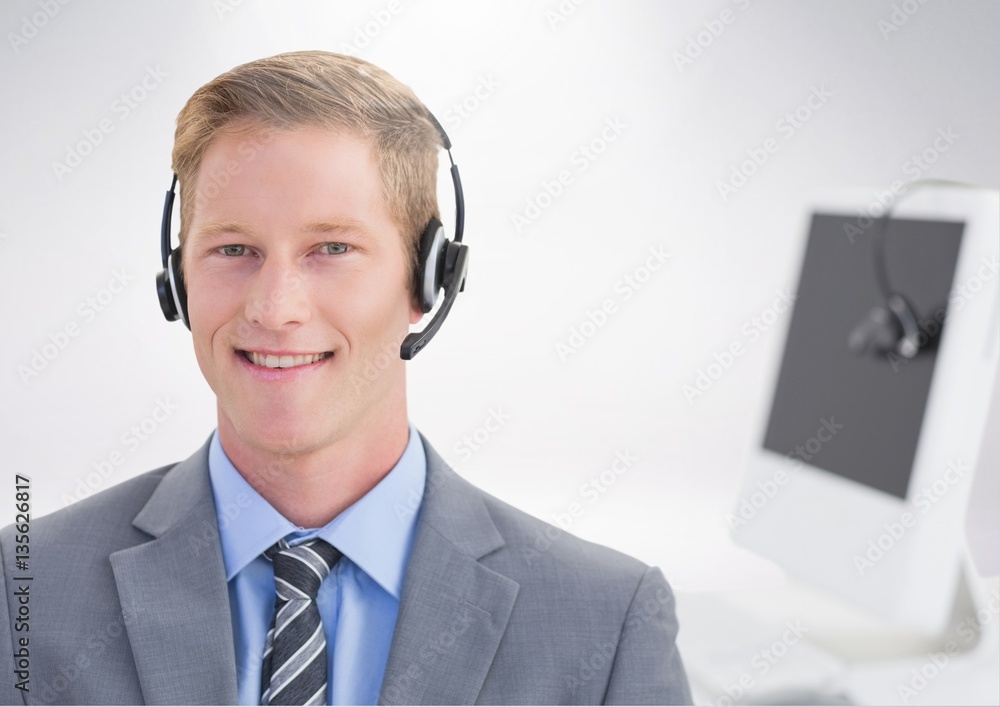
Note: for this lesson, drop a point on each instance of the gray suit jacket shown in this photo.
(128, 604)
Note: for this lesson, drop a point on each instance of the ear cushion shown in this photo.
(166, 296)
(177, 285)
(877, 333)
(430, 266)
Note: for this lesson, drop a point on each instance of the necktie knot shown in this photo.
(299, 570)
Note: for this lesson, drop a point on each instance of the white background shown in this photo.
(557, 79)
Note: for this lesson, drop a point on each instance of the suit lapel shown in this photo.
(174, 595)
(453, 610)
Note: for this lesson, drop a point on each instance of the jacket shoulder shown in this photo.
(539, 542)
(605, 621)
(100, 520)
(539, 554)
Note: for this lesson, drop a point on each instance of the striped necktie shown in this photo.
(294, 669)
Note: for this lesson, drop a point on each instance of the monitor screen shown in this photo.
(859, 415)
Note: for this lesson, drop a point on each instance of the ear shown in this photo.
(416, 313)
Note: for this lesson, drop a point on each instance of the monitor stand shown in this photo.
(742, 647)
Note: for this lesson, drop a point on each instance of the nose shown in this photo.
(278, 298)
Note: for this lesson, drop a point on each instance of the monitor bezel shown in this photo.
(913, 584)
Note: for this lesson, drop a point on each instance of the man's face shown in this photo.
(293, 261)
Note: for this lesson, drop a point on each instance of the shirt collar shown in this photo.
(375, 532)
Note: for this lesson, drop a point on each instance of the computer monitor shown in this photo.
(863, 468)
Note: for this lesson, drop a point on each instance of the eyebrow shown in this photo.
(325, 227)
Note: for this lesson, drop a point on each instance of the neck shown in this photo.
(310, 488)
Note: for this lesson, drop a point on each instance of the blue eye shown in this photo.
(233, 250)
(335, 248)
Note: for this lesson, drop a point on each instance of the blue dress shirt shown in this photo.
(358, 601)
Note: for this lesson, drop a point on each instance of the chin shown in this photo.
(277, 434)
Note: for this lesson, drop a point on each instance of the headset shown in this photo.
(892, 327)
(441, 264)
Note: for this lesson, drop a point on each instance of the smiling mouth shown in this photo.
(272, 361)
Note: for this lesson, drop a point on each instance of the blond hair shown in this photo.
(325, 90)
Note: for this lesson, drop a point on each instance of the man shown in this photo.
(317, 549)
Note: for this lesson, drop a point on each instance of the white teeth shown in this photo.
(272, 361)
